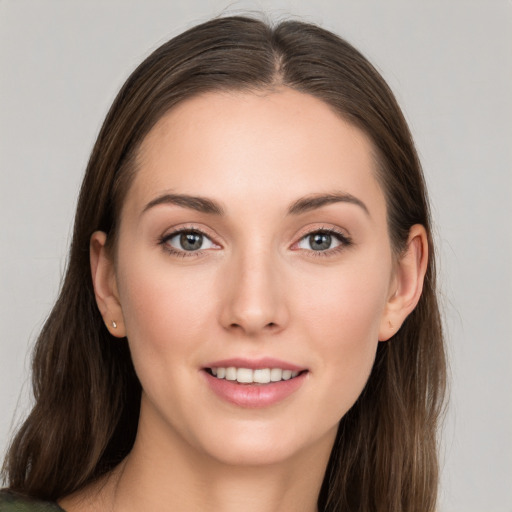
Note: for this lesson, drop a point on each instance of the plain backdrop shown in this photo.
(450, 65)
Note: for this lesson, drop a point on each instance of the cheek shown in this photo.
(163, 308)
(348, 305)
(342, 320)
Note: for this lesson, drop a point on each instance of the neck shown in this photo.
(268, 489)
(164, 473)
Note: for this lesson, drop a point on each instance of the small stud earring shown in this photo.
(114, 325)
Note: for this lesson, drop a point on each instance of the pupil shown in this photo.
(320, 241)
(191, 241)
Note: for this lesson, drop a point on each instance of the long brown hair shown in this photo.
(87, 394)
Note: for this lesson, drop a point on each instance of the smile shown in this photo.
(254, 383)
(250, 376)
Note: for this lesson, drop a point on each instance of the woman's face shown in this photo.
(253, 243)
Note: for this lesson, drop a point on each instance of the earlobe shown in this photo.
(407, 284)
(105, 285)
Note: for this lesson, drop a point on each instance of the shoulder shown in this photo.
(12, 502)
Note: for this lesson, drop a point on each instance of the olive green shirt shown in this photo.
(11, 502)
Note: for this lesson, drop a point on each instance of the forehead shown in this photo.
(262, 146)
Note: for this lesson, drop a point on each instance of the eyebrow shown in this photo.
(200, 204)
(314, 201)
(302, 205)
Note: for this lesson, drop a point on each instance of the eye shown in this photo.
(188, 241)
(322, 241)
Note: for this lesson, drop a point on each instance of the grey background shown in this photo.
(450, 65)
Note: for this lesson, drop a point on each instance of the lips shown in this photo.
(254, 383)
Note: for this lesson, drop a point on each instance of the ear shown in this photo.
(105, 285)
(407, 283)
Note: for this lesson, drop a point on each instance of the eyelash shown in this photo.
(344, 240)
(163, 241)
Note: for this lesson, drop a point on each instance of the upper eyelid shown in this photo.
(172, 234)
(342, 238)
(334, 230)
(192, 228)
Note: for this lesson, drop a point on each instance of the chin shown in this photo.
(260, 444)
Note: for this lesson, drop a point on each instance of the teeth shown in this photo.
(276, 374)
(248, 376)
(244, 375)
(262, 376)
(231, 373)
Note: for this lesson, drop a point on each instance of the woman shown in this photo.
(249, 315)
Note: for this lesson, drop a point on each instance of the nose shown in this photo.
(254, 300)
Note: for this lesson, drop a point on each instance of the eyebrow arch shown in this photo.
(302, 205)
(200, 204)
(312, 202)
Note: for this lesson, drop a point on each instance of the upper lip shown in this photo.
(255, 364)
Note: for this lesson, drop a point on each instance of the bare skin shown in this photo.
(292, 262)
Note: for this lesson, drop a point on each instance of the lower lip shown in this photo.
(254, 395)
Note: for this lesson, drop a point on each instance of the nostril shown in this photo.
(270, 325)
